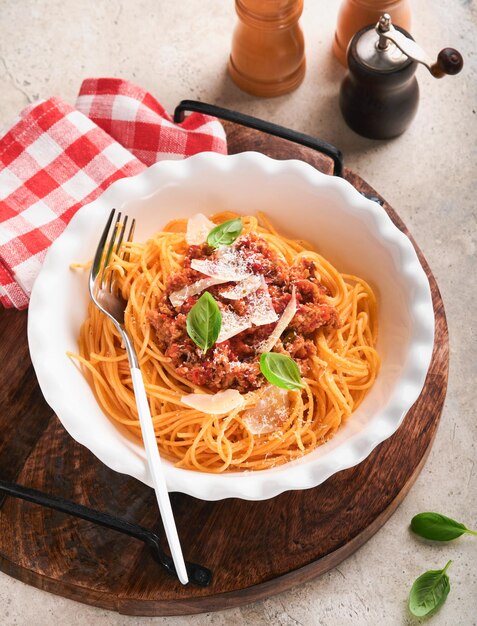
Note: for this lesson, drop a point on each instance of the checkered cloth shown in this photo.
(57, 158)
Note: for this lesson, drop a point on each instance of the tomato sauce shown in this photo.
(234, 363)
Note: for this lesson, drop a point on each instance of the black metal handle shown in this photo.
(198, 575)
(266, 127)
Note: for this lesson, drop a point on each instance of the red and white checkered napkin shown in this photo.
(57, 158)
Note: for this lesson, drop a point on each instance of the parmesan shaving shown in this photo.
(286, 318)
(232, 324)
(243, 288)
(261, 306)
(218, 403)
(260, 311)
(198, 229)
(179, 297)
(269, 413)
(228, 264)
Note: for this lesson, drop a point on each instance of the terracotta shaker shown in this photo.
(356, 14)
(268, 53)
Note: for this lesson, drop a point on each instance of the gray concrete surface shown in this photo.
(179, 50)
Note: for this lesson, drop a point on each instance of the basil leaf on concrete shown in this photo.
(429, 592)
(438, 527)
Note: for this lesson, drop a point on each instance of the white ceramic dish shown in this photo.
(352, 232)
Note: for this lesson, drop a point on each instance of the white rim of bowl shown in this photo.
(262, 484)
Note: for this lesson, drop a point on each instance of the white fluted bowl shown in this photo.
(354, 233)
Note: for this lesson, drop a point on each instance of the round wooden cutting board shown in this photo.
(255, 549)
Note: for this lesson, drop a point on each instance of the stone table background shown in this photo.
(179, 50)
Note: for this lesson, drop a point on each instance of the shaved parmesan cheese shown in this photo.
(179, 297)
(259, 311)
(286, 318)
(261, 306)
(198, 229)
(214, 404)
(228, 265)
(269, 413)
(243, 288)
(232, 324)
(216, 269)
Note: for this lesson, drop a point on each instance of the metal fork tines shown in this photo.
(108, 299)
(101, 283)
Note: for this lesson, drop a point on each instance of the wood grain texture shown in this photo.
(255, 549)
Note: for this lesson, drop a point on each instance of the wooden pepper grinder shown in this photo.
(356, 14)
(379, 94)
(268, 53)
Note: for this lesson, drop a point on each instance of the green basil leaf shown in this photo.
(438, 527)
(280, 370)
(429, 592)
(226, 233)
(204, 321)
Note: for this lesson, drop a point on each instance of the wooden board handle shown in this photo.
(265, 127)
(198, 575)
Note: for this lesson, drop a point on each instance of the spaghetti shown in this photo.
(338, 367)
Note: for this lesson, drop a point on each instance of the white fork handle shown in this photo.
(158, 479)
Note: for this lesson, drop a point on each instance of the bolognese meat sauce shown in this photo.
(234, 362)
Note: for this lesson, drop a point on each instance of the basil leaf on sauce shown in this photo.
(438, 527)
(429, 592)
(204, 321)
(280, 370)
(226, 233)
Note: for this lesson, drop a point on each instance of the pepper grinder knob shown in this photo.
(449, 61)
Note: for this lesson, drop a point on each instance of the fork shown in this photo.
(109, 300)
